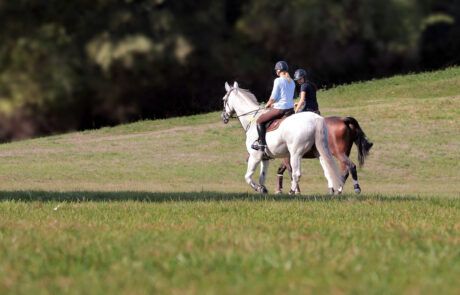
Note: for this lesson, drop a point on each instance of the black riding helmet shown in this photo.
(281, 66)
(299, 74)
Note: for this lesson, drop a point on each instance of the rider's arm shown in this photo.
(270, 103)
(275, 94)
(301, 101)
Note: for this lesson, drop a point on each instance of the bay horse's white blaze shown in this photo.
(295, 136)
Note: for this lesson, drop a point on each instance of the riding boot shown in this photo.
(261, 129)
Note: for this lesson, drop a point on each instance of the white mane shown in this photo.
(249, 99)
(249, 95)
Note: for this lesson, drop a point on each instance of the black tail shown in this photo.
(361, 141)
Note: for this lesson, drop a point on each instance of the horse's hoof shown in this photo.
(262, 189)
(331, 191)
(357, 188)
(278, 192)
(291, 192)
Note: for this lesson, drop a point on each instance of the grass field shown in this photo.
(162, 207)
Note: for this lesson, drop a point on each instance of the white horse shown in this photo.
(295, 136)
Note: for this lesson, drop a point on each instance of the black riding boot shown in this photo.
(261, 129)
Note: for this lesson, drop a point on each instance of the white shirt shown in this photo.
(283, 93)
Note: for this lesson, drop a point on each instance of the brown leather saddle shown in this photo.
(274, 124)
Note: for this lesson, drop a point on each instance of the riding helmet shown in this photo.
(281, 66)
(299, 74)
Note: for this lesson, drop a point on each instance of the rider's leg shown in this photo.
(262, 130)
(261, 127)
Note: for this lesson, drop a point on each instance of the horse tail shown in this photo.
(361, 141)
(322, 145)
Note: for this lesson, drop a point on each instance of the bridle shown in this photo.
(226, 116)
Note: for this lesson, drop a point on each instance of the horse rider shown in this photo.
(307, 102)
(281, 102)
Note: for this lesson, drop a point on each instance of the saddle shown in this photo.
(274, 124)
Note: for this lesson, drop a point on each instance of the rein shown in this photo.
(250, 122)
(242, 115)
(248, 113)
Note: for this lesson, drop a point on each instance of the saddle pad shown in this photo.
(273, 125)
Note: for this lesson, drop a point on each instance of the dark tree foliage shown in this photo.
(73, 65)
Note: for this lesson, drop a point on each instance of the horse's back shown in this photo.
(297, 130)
(301, 119)
(300, 126)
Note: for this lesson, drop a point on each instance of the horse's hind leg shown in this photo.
(344, 167)
(296, 173)
(330, 184)
(349, 167)
(354, 175)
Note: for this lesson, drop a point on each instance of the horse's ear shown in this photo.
(227, 87)
(235, 84)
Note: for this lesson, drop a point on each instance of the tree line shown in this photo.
(74, 65)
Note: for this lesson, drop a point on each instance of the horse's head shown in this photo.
(229, 109)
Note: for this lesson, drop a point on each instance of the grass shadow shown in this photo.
(119, 196)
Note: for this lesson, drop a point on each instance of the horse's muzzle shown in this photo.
(225, 117)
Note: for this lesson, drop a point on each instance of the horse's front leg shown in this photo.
(296, 173)
(284, 165)
(252, 165)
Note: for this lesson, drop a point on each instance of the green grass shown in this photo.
(415, 135)
(162, 207)
(144, 243)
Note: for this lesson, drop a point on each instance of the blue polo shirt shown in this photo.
(283, 93)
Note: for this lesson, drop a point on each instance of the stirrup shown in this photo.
(257, 146)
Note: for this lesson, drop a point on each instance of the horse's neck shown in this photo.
(247, 112)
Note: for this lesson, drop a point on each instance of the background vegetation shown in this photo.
(85, 64)
(162, 207)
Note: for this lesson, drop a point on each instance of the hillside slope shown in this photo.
(413, 121)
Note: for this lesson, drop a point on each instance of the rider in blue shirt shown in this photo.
(281, 102)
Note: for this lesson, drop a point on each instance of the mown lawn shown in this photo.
(211, 243)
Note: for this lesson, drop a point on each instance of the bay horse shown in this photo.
(295, 136)
(343, 132)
